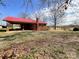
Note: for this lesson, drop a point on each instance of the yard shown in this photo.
(39, 45)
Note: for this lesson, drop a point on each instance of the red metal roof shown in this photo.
(21, 20)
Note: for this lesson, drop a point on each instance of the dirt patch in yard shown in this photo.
(41, 45)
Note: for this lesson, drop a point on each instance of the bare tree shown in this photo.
(23, 15)
(3, 2)
(57, 10)
(28, 3)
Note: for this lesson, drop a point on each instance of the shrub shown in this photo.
(76, 29)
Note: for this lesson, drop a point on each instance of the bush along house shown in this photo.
(14, 23)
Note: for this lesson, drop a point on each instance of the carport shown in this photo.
(25, 24)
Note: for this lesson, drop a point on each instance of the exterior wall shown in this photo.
(26, 26)
(42, 27)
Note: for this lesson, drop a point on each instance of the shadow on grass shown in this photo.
(2, 30)
(16, 36)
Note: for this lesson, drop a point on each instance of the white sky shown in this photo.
(72, 13)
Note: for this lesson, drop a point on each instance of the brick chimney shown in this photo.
(37, 23)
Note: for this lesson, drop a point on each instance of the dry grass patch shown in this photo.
(41, 45)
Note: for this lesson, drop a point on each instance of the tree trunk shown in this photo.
(55, 22)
